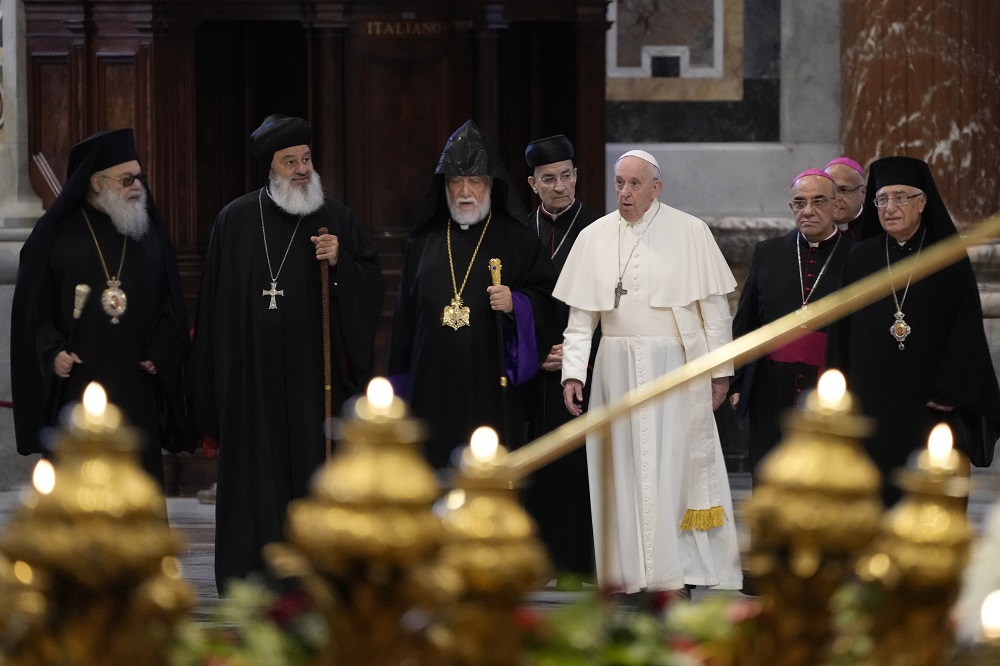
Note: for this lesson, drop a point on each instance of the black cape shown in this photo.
(558, 495)
(59, 254)
(258, 372)
(453, 375)
(772, 289)
(945, 359)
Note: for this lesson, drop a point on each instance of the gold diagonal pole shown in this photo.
(764, 340)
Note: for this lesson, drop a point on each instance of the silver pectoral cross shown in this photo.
(619, 292)
(273, 293)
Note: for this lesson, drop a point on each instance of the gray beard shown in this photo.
(474, 217)
(129, 216)
(294, 200)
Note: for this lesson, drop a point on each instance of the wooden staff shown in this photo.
(495, 267)
(324, 282)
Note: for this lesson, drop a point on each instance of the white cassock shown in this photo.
(672, 514)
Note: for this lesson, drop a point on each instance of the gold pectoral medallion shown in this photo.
(455, 314)
(114, 301)
(900, 329)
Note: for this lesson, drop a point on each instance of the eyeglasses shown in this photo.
(800, 204)
(549, 180)
(882, 200)
(126, 181)
(844, 189)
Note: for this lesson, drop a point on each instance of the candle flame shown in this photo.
(990, 615)
(95, 400)
(939, 445)
(484, 444)
(44, 477)
(831, 388)
(380, 395)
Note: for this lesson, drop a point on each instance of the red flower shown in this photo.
(289, 605)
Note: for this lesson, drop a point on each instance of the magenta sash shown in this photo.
(808, 349)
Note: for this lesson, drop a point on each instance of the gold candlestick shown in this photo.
(491, 544)
(91, 570)
(916, 563)
(816, 506)
(363, 543)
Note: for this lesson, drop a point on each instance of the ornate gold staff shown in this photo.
(495, 267)
(80, 295)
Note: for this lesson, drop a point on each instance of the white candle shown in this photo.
(990, 615)
(380, 396)
(939, 446)
(831, 389)
(484, 444)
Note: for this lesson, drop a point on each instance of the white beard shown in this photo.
(293, 199)
(473, 217)
(129, 216)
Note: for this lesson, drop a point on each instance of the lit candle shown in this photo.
(44, 477)
(832, 388)
(380, 396)
(95, 403)
(939, 446)
(484, 444)
(990, 615)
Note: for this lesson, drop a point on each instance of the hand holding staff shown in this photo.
(500, 308)
(80, 296)
(324, 277)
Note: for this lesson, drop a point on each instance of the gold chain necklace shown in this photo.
(900, 329)
(113, 299)
(456, 314)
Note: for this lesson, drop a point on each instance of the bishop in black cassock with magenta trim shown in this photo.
(786, 274)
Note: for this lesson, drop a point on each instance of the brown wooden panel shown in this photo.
(117, 93)
(52, 109)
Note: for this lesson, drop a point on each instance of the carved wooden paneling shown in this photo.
(55, 104)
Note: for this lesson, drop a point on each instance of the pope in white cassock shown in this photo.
(655, 280)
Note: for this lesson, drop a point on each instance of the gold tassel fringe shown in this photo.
(703, 520)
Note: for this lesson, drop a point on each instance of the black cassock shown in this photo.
(945, 359)
(453, 375)
(61, 254)
(558, 495)
(258, 372)
(769, 387)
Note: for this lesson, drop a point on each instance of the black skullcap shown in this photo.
(102, 150)
(279, 131)
(548, 151)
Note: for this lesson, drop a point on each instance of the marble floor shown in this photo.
(196, 523)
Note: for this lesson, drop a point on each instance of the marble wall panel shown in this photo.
(921, 78)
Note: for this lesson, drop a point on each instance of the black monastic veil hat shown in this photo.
(99, 151)
(279, 131)
(548, 151)
(900, 170)
(468, 152)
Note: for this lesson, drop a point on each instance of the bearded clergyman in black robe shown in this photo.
(103, 231)
(451, 325)
(786, 274)
(558, 495)
(919, 356)
(258, 346)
